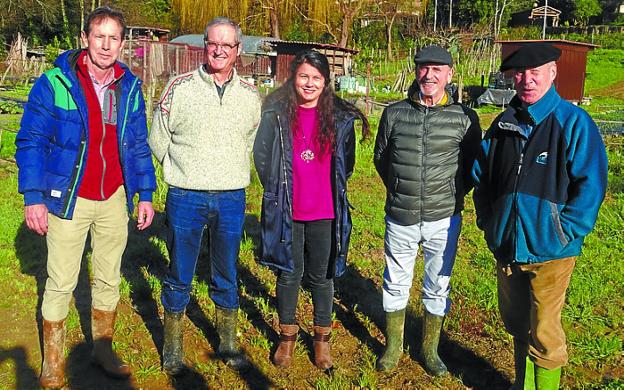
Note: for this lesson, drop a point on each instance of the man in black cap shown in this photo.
(539, 181)
(425, 148)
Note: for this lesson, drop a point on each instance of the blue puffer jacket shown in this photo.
(53, 138)
(273, 161)
(537, 198)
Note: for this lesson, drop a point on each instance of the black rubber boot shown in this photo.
(432, 326)
(395, 327)
(227, 320)
(173, 349)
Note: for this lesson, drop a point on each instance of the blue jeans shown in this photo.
(188, 213)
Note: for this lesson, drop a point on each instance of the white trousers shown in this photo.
(439, 244)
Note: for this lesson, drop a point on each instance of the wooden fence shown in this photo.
(155, 62)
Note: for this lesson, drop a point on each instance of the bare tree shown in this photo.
(349, 9)
(389, 10)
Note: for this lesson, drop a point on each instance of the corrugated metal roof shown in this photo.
(315, 44)
(251, 44)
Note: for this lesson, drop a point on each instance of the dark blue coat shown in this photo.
(53, 138)
(273, 160)
(537, 197)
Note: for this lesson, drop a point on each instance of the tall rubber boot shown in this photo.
(547, 379)
(523, 367)
(227, 321)
(52, 370)
(395, 328)
(432, 326)
(285, 348)
(173, 346)
(322, 352)
(102, 323)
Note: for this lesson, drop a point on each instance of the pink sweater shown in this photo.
(312, 176)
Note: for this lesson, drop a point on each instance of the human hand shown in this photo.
(36, 217)
(145, 215)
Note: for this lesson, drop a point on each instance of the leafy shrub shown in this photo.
(8, 107)
(52, 50)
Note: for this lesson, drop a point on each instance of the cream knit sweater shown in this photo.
(202, 141)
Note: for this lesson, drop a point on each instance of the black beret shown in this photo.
(433, 54)
(531, 55)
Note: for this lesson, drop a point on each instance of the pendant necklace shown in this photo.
(307, 154)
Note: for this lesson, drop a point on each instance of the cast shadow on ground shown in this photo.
(31, 251)
(254, 377)
(257, 288)
(475, 371)
(25, 377)
(144, 259)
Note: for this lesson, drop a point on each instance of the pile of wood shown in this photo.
(20, 68)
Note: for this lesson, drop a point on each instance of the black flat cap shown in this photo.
(433, 54)
(531, 55)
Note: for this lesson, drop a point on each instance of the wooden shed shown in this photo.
(570, 81)
(340, 58)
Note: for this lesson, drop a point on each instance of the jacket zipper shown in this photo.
(285, 182)
(82, 154)
(123, 130)
(422, 162)
(123, 126)
(338, 197)
(515, 192)
(103, 158)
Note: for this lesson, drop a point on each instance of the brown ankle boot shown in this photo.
(288, 339)
(102, 323)
(322, 356)
(52, 370)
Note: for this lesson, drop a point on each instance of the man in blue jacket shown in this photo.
(82, 154)
(540, 179)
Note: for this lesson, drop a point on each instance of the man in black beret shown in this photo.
(539, 181)
(424, 151)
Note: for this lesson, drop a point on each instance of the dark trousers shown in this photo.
(311, 250)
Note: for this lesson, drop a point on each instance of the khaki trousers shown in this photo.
(107, 222)
(530, 299)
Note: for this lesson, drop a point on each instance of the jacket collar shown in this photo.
(539, 110)
(67, 63)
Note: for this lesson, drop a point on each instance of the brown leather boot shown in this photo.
(52, 370)
(288, 339)
(102, 323)
(322, 355)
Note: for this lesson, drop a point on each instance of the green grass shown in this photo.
(593, 315)
(604, 68)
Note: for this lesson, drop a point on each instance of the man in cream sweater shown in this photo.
(202, 134)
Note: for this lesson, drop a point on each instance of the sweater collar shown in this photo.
(207, 77)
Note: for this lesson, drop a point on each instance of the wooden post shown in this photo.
(368, 76)
(144, 59)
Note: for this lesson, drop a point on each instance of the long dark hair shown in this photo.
(328, 103)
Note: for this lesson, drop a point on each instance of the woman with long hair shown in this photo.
(304, 153)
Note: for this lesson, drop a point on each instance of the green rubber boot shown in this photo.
(395, 326)
(432, 327)
(529, 375)
(226, 321)
(547, 379)
(173, 351)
